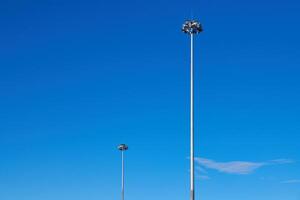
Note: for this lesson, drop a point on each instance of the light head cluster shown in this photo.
(192, 27)
(122, 147)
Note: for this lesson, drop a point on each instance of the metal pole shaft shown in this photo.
(122, 175)
(192, 197)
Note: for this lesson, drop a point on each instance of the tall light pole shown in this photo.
(192, 27)
(122, 148)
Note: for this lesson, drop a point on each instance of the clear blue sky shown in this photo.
(79, 77)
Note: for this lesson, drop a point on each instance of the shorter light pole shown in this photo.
(122, 148)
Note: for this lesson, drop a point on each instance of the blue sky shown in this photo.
(79, 77)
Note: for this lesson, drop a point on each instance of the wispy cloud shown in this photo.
(202, 177)
(281, 161)
(291, 181)
(233, 167)
(201, 173)
(237, 167)
(201, 169)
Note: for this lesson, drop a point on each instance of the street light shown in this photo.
(192, 27)
(122, 148)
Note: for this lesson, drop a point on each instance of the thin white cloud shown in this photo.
(201, 169)
(233, 167)
(281, 161)
(237, 167)
(203, 177)
(291, 181)
(201, 173)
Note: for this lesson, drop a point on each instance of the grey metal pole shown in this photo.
(192, 196)
(192, 27)
(123, 175)
(122, 148)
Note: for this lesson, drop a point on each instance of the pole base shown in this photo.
(192, 195)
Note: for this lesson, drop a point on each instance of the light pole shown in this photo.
(192, 27)
(122, 148)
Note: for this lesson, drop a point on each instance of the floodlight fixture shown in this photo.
(123, 147)
(192, 27)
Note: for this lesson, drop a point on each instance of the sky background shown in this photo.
(79, 77)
